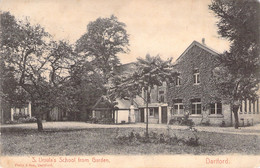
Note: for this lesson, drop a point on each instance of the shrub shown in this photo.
(94, 120)
(106, 121)
(102, 120)
(207, 123)
(223, 124)
(135, 138)
(30, 120)
(21, 120)
(11, 122)
(17, 116)
(182, 121)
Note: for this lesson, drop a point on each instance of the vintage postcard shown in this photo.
(129, 83)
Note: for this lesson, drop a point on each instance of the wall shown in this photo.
(197, 57)
(122, 115)
(249, 115)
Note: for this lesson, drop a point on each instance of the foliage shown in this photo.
(22, 119)
(40, 64)
(135, 138)
(11, 93)
(83, 89)
(150, 72)
(238, 75)
(182, 121)
(104, 40)
(17, 116)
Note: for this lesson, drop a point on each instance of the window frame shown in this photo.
(178, 109)
(196, 103)
(151, 110)
(178, 81)
(196, 77)
(216, 108)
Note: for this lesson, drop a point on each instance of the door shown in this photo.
(142, 115)
(164, 115)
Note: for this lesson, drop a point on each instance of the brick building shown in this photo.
(194, 91)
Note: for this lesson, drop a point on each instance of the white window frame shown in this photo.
(178, 109)
(196, 108)
(178, 81)
(216, 109)
(196, 75)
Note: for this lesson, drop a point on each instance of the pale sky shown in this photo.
(165, 27)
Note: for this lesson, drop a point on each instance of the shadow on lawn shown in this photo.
(53, 130)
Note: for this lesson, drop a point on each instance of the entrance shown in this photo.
(164, 115)
(142, 114)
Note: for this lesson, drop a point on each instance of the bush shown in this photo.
(182, 121)
(207, 123)
(17, 116)
(102, 120)
(11, 122)
(22, 120)
(223, 124)
(30, 120)
(135, 138)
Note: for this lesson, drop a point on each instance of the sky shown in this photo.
(164, 27)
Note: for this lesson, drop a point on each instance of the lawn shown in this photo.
(17, 141)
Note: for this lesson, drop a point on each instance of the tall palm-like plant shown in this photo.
(150, 72)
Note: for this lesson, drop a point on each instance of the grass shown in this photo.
(18, 141)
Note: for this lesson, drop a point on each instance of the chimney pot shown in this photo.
(203, 41)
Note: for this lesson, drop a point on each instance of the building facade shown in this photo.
(194, 92)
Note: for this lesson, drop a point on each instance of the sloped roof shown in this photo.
(195, 43)
(125, 68)
(103, 102)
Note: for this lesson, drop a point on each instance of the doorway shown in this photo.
(164, 115)
(142, 114)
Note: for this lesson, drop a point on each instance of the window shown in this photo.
(178, 107)
(241, 108)
(216, 108)
(257, 105)
(161, 96)
(195, 106)
(196, 76)
(253, 102)
(249, 104)
(151, 112)
(245, 107)
(178, 81)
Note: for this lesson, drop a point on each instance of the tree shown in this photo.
(39, 63)
(150, 72)
(237, 76)
(104, 40)
(10, 91)
(83, 89)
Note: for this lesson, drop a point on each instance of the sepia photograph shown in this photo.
(129, 83)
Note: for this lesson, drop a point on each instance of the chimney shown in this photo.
(203, 41)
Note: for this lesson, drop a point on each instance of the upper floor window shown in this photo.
(161, 96)
(196, 76)
(178, 81)
(216, 108)
(195, 106)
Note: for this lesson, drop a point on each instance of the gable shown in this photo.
(192, 46)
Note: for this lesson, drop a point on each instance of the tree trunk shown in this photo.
(235, 111)
(39, 123)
